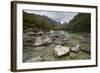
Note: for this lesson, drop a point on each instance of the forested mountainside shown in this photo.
(39, 22)
(80, 23)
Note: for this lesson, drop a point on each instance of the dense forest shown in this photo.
(80, 23)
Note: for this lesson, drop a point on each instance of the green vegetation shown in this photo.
(37, 22)
(80, 23)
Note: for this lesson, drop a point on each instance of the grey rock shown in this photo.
(47, 40)
(73, 54)
(61, 50)
(38, 41)
(76, 48)
(59, 35)
(58, 42)
(42, 41)
(50, 32)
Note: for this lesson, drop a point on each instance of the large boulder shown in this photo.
(42, 41)
(61, 50)
(75, 48)
(47, 40)
(38, 41)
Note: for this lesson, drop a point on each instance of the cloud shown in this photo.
(58, 16)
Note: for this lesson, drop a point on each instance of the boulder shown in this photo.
(61, 50)
(73, 54)
(47, 40)
(38, 41)
(51, 32)
(60, 40)
(42, 41)
(76, 48)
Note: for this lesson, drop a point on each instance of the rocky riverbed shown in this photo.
(55, 46)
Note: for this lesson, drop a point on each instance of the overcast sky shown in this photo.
(57, 16)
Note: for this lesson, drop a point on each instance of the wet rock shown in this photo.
(61, 50)
(73, 54)
(76, 48)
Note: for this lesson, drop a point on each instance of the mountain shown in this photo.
(80, 23)
(38, 22)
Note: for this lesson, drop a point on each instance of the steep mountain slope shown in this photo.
(80, 23)
(38, 22)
